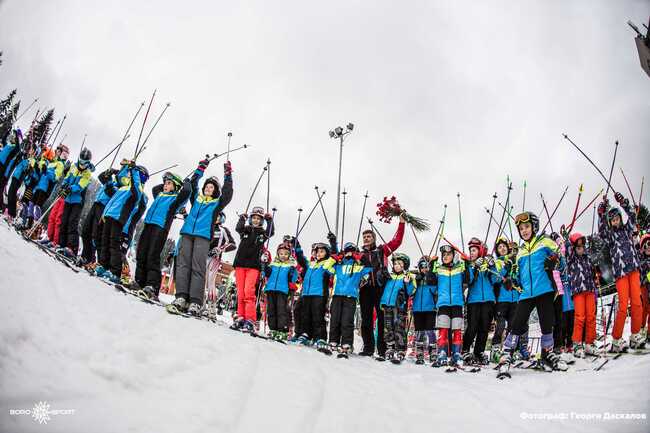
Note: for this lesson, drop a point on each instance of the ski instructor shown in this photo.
(376, 257)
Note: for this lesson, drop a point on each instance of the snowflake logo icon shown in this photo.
(41, 412)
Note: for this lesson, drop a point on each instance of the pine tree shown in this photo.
(643, 218)
(41, 128)
(6, 104)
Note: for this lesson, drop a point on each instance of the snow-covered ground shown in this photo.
(125, 366)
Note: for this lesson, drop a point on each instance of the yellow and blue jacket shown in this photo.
(280, 275)
(531, 274)
(127, 197)
(52, 174)
(316, 274)
(205, 210)
(166, 205)
(451, 280)
(347, 277)
(505, 295)
(397, 291)
(77, 180)
(483, 280)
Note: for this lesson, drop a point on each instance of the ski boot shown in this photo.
(480, 359)
(194, 309)
(237, 324)
(398, 357)
(179, 306)
(433, 352)
(281, 336)
(365, 352)
(149, 293)
(637, 341)
(321, 346)
(46, 243)
(333, 347)
(579, 350)
(441, 359)
(566, 355)
(344, 352)
(248, 327)
(618, 346)
(552, 360)
(523, 353)
(468, 358)
(456, 356)
(419, 353)
(505, 361)
(495, 354)
(108, 275)
(66, 252)
(590, 350)
(100, 271)
(304, 340)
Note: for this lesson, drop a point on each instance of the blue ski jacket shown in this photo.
(531, 274)
(166, 205)
(425, 288)
(205, 210)
(51, 175)
(451, 280)
(78, 181)
(280, 275)
(347, 277)
(396, 289)
(316, 274)
(126, 198)
(483, 278)
(506, 295)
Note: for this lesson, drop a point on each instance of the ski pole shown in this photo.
(589, 204)
(255, 189)
(164, 169)
(151, 130)
(47, 142)
(461, 253)
(126, 134)
(523, 206)
(268, 183)
(228, 151)
(31, 231)
(144, 122)
(65, 116)
(270, 228)
(460, 222)
(25, 110)
(628, 187)
(323, 209)
(546, 211)
(491, 217)
(557, 206)
(641, 192)
(343, 221)
(503, 214)
(295, 239)
(575, 211)
(593, 221)
(435, 239)
(374, 229)
(310, 213)
(590, 161)
(611, 170)
(442, 227)
(506, 211)
(363, 213)
(112, 150)
(218, 155)
(417, 240)
(494, 199)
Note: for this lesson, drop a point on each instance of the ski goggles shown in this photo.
(523, 217)
(446, 249)
(84, 163)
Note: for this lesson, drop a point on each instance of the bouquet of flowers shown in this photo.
(390, 208)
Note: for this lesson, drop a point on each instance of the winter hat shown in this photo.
(217, 186)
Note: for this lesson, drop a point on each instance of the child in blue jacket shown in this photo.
(424, 311)
(348, 275)
(169, 197)
(280, 273)
(394, 303)
(452, 278)
(536, 259)
(484, 278)
(196, 235)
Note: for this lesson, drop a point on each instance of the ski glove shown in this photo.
(203, 164)
(602, 208)
(27, 195)
(619, 197)
(227, 168)
(550, 262)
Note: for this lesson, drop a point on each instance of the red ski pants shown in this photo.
(585, 317)
(54, 220)
(246, 279)
(629, 293)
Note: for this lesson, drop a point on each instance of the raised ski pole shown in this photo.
(593, 221)
(462, 254)
(295, 238)
(566, 137)
(38, 223)
(343, 218)
(163, 169)
(270, 227)
(144, 122)
(417, 241)
(144, 142)
(255, 189)
(219, 155)
(25, 110)
(311, 212)
(494, 199)
(374, 229)
(628, 187)
(611, 170)
(589, 204)
(523, 206)
(641, 192)
(501, 225)
(546, 211)
(557, 206)
(363, 213)
(575, 211)
(323, 209)
(228, 151)
(493, 219)
(47, 141)
(435, 238)
(268, 183)
(126, 134)
(442, 227)
(112, 150)
(506, 211)
(460, 222)
(65, 116)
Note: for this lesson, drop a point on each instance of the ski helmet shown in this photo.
(144, 173)
(501, 240)
(350, 247)
(48, 154)
(18, 135)
(614, 212)
(84, 157)
(173, 178)
(476, 243)
(321, 245)
(217, 186)
(258, 210)
(284, 246)
(402, 258)
(423, 263)
(528, 217)
(575, 237)
(645, 238)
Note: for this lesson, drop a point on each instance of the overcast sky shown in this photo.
(446, 97)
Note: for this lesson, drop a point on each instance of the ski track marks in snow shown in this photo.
(128, 366)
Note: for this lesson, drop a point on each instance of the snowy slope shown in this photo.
(126, 366)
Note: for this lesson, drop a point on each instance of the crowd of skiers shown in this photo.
(552, 274)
